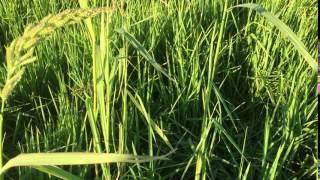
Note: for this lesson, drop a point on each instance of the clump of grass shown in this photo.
(287, 32)
(221, 84)
(20, 53)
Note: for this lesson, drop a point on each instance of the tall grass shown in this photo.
(19, 55)
(230, 89)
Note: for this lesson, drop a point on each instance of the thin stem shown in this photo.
(1, 136)
(94, 75)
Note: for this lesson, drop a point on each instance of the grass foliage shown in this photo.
(227, 91)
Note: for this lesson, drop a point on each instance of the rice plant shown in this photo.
(19, 55)
(158, 89)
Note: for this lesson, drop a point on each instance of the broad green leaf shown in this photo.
(285, 30)
(50, 159)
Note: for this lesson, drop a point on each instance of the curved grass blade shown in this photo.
(285, 30)
(136, 44)
(51, 159)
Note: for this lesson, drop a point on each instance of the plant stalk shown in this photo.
(1, 137)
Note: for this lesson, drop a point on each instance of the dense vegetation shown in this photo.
(229, 95)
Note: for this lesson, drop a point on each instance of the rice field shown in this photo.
(190, 89)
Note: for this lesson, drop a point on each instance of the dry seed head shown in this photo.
(20, 51)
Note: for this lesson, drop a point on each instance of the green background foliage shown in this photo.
(224, 87)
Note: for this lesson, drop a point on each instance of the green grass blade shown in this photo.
(231, 140)
(93, 125)
(245, 175)
(57, 172)
(136, 44)
(139, 104)
(273, 171)
(50, 159)
(285, 30)
(88, 22)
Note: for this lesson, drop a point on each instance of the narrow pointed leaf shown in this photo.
(139, 104)
(136, 44)
(57, 172)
